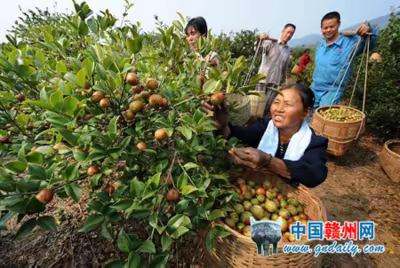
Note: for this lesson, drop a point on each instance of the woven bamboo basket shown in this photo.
(241, 106)
(240, 251)
(390, 159)
(341, 135)
(258, 102)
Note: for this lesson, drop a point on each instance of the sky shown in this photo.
(264, 15)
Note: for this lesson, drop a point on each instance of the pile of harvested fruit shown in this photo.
(342, 114)
(263, 202)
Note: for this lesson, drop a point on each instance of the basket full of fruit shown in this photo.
(342, 125)
(265, 196)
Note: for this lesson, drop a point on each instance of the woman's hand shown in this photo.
(249, 157)
(220, 114)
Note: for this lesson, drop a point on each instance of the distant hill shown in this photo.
(313, 39)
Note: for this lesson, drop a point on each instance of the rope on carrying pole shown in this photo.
(366, 74)
(358, 75)
(252, 63)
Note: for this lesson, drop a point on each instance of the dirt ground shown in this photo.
(356, 189)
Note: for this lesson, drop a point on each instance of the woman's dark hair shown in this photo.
(306, 94)
(199, 24)
(331, 15)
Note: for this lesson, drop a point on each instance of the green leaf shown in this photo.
(156, 179)
(147, 247)
(83, 29)
(182, 181)
(80, 156)
(93, 156)
(122, 204)
(21, 154)
(80, 78)
(35, 157)
(134, 260)
(153, 220)
(137, 187)
(25, 228)
(91, 223)
(182, 206)
(38, 171)
(124, 243)
(47, 223)
(215, 214)
(211, 239)
(112, 126)
(185, 132)
(166, 242)
(212, 86)
(61, 69)
(39, 58)
(222, 232)
(105, 232)
(190, 165)
(16, 166)
(88, 65)
(188, 189)
(179, 232)
(48, 38)
(56, 99)
(72, 171)
(70, 105)
(93, 25)
(74, 191)
(69, 137)
(175, 222)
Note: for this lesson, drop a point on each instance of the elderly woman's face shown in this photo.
(191, 36)
(287, 110)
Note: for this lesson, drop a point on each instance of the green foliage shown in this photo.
(383, 95)
(59, 131)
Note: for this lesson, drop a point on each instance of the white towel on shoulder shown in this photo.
(297, 145)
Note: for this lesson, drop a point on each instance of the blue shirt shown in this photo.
(330, 59)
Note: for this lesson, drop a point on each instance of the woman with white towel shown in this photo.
(284, 143)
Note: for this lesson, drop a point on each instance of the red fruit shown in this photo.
(164, 102)
(97, 96)
(92, 170)
(4, 139)
(141, 146)
(58, 146)
(136, 89)
(217, 98)
(108, 189)
(20, 97)
(155, 100)
(105, 103)
(132, 79)
(87, 85)
(45, 195)
(136, 106)
(152, 83)
(160, 134)
(172, 195)
(260, 191)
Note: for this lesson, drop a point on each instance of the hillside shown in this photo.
(313, 39)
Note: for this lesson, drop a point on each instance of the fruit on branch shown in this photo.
(87, 85)
(97, 96)
(105, 103)
(45, 195)
(160, 134)
(165, 102)
(136, 89)
(92, 170)
(58, 146)
(20, 97)
(108, 189)
(152, 83)
(136, 106)
(129, 115)
(4, 139)
(141, 146)
(155, 100)
(132, 79)
(172, 195)
(217, 98)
